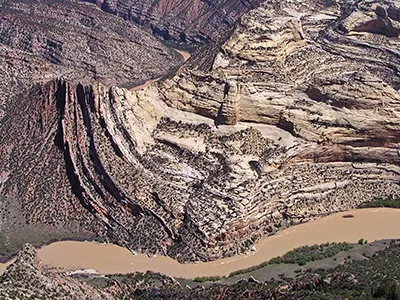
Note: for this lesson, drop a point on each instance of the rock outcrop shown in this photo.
(297, 118)
(325, 77)
(40, 41)
(185, 22)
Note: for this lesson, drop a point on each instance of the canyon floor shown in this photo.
(293, 116)
(327, 271)
(285, 112)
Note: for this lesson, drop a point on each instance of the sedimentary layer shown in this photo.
(296, 116)
(42, 40)
(186, 23)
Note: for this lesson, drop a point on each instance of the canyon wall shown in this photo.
(185, 22)
(40, 41)
(296, 116)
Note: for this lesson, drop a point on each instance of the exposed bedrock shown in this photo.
(296, 69)
(40, 41)
(178, 185)
(184, 22)
(298, 118)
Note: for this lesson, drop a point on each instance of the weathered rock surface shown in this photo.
(42, 40)
(297, 118)
(184, 22)
(321, 73)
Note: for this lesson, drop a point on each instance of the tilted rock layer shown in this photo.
(41, 40)
(297, 118)
(325, 74)
(184, 22)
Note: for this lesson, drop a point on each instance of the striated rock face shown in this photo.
(326, 77)
(300, 72)
(375, 17)
(41, 40)
(185, 22)
(230, 105)
(298, 117)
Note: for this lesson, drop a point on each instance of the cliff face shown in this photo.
(321, 83)
(298, 117)
(184, 21)
(42, 40)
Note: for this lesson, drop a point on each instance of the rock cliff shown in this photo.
(321, 84)
(42, 40)
(298, 117)
(184, 22)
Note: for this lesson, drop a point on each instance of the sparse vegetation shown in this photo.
(207, 278)
(392, 202)
(301, 256)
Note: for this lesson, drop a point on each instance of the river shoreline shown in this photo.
(185, 55)
(370, 224)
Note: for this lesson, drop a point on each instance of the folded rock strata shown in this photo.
(327, 76)
(297, 118)
(40, 41)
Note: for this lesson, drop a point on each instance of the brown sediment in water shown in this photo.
(370, 224)
(185, 54)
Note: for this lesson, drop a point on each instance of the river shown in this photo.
(184, 54)
(370, 224)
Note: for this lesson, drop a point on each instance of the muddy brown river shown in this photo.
(370, 224)
(185, 55)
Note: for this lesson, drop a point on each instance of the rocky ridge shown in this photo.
(42, 40)
(186, 23)
(297, 118)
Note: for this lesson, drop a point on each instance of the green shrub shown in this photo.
(276, 260)
(393, 202)
(207, 278)
(301, 256)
